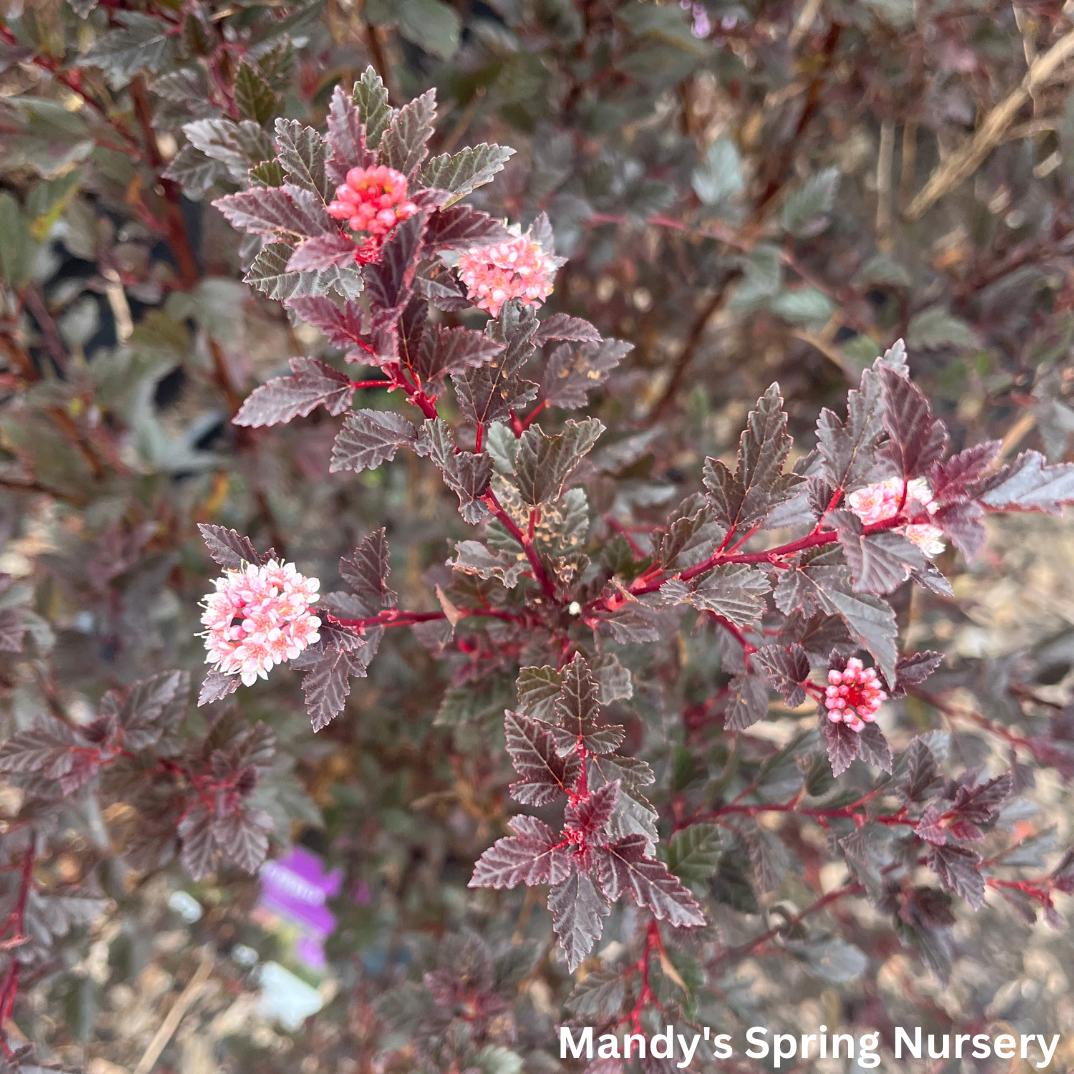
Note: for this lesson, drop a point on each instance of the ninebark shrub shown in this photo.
(663, 662)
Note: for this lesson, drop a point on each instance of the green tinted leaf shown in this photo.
(429, 24)
(718, 177)
(253, 95)
(16, 245)
(371, 99)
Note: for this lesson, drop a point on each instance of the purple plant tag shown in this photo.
(296, 888)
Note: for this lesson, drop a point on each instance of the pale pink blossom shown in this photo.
(518, 268)
(259, 617)
(373, 201)
(853, 695)
(885, 499)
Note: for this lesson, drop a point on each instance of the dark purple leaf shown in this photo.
(873, 748)
(592, 814)
(577, 909)
(929, 827)
(269, 274)
(266, 210)
(410, 331)
(954, 480)
(1029, 484)
(370, 97)
(827, 587)
(465, 473)
(327, 682)
(544, 463)
(562, 326)
(747, 702)
(786, 668)
(366, 572)
(538, 689)
(459, 227)
(735, 591)
(922, 772)
(848, 448)
(573, 372)
(598, 998)
(635, 623)
(255, 748)
(545, 775)
(370, 437)
(445, 351)
(534, 855)
(198, 853)
(980, 804)
(323, 252)
(879, 562)
(243, 836)
(818, 635)
(216, 686)
(310, 385)
(301, 151)
(623, 866)
(961, 522)
(490, 392)
(690, 535)
(958, 870)
(346, 138)
(769, 858)
(578, 705)
(403, 145)
(229, 550)
(916, 439)
(759, 483)
(49, 746)
(912, 670)
(343, 327)
(388, 279)
(463, 172)
(841, 743)
(148, 709)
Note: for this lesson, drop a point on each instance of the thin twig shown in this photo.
(49, 332)
(379, 62)
(175, 1015)
(802, 24)
(961, 164)
(464, 121)
(908, 163)
(733, 954)
(177, 231)
(686, 353)
(885, 159)
(1016, 434)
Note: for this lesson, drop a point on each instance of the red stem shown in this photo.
(733, 954)
(15, 923)
(539, 574)
(747, 647)
(615, 524)
(394, 617)
(527, 421)
(772, 556)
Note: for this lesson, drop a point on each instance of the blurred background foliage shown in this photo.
(748, 192)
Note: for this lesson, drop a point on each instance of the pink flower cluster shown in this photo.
(853, 695)
(373, 201)
(259, 617)
(517, 268)
(883, 500)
